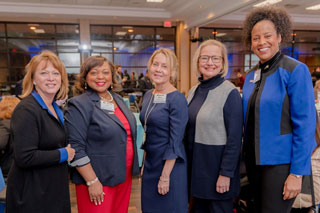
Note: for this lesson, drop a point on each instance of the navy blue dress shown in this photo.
(165, 130)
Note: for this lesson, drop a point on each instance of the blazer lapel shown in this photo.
(96, 99)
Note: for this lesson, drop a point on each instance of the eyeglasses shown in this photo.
(214, 58)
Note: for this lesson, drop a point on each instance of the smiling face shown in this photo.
(210, 61)
(99, 78)
(159, 70)
(265, 40)
(47, 79)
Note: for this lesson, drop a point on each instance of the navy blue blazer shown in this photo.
(98, 137)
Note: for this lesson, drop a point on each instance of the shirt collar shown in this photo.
(44, 106)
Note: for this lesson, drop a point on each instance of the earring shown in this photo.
(85, 85)
(111, 86)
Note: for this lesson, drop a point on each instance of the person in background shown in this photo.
(279, 112)
(7, 105)
(118, 76)
(303, 201)
(214, 132)
(145, 83)
(141, 76)
(315, 75)
(103, 132)
(164, 116)
(316, 91)
(38, 178)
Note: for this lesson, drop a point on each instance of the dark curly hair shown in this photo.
(278, 16)
(91, 62)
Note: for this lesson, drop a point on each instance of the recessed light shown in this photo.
(314, 7)
(221, 34)
(121, 33)
(39, 31)
(267, 2)
(155, 1)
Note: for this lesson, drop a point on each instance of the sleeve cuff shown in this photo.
(80, 162)
(63, 155)
(227, 173)
(170, 154)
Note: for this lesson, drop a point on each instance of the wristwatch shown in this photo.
(297, 176)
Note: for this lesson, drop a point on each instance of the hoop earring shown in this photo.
(85, 85)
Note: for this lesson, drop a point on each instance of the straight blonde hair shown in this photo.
(172, 62)
(32, 66)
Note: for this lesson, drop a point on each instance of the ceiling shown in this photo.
(220, 13)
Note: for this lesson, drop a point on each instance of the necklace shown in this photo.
(146, 116)
(106, 100)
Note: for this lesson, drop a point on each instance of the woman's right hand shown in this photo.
(71, 152)
(96, 193)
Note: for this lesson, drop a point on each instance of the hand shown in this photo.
(292, 187)
(223, 184)
(96, 193)
(71, 152)
(163, 185)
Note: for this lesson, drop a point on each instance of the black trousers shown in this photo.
(266, 184)
(212, 206)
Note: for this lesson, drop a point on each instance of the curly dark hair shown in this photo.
(91, 62)
(278, 16)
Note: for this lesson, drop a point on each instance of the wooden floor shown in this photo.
(134, 205)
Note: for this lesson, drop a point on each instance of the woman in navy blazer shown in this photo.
(102, 130)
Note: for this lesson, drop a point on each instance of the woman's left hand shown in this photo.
(223, 184)
(163, 185)
(292, 187)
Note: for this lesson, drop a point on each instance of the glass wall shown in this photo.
(130, 46)
(304, 46)
(19, 42)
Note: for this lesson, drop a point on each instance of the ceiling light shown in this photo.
(220, 34)
(314, 7)
(121, 33)
(33, 28)
(156, 1)
(39, 31)
(130, 30)
(210, 15)
(267, 2)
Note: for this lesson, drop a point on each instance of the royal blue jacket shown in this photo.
(284, 115)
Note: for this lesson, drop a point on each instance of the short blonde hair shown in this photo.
(224, 54)
(7, 105)
(27, 83)
(172, 62)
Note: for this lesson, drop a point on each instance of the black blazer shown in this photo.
(37, 182)
(99, 137)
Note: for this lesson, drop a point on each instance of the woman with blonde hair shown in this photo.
(213, 133)
(38, 178)
(164, 116)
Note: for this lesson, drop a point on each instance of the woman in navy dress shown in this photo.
(164, 115)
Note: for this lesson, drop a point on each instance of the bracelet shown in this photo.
(164, 179)
(92, 182)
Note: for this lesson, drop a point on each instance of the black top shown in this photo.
(37, 182)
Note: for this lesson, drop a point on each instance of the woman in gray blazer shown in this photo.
(102, 130)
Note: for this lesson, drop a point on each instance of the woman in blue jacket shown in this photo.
(279, 114)
(102, 130)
